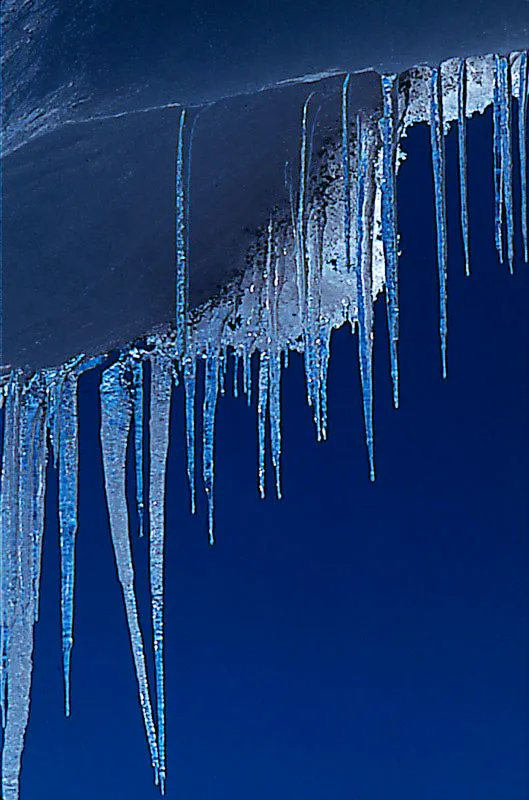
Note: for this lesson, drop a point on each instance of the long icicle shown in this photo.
(325, 344)
(506, 151)
(9, 525)
(181, 245)
(40, 441)
(462, 148)
(262, 409)
(438, 163)
(497, 152)
(161, 386)
(116, 415)
(275, 379)
(137, 372)
(21, 489)
(389, 226)
(275, 415)
(364, 297)
(19, 606)
(312, 374)
(346, 171)
(190, 374)
(522, 140)
(300, 218)
(68, 491)
(211, 390)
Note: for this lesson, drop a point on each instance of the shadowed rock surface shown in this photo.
(89, 211)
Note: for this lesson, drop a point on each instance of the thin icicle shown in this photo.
(503, 70)
(40, 444)
(190, 374)
(54, 394)
(223, 363)
(311, 325)
(306, 277)
(364, 224)
(181, 245)
(116, 415)
(438, 164)
(300, 219)
(247, 376)
(389, 226)
(68, 491)
(522, 140)
(262, 408)
(462, 147)
(497, 151)
(137, 372)
(325, 342)
(275, 415)
(346, 171)
(236, 359)
(161, 386)
(211, 389)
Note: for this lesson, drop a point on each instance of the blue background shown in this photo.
(353, 640)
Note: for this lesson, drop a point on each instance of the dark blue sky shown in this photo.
(353, 640)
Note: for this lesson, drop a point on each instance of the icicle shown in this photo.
(325, 342)
(363, 280)
(236, 359)
(313, 297)
(346, 171)
(262, 407)
(211, 388)
(300, 221)
(462, 146)
(275, 415)
(52, 421)
(161, 386)
(137, 372)
(268, 282)
(503, 71)
(68, 490)
(275, 301)
(522, 139)
(438, 163)
(116, 414)
(389, 227)
(181, 246)
(190, 372)
(247, 375)
(223, 363)
(9, 526)
(40, 460)
(20, 511)
(497, 150)
(305, 268)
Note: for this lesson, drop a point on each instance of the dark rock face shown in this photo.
(89, 220)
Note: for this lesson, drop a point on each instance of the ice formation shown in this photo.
(315, 265)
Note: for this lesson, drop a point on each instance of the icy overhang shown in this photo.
(89, 214)
(89, 209)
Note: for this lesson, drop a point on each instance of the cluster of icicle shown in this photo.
(292, 298)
